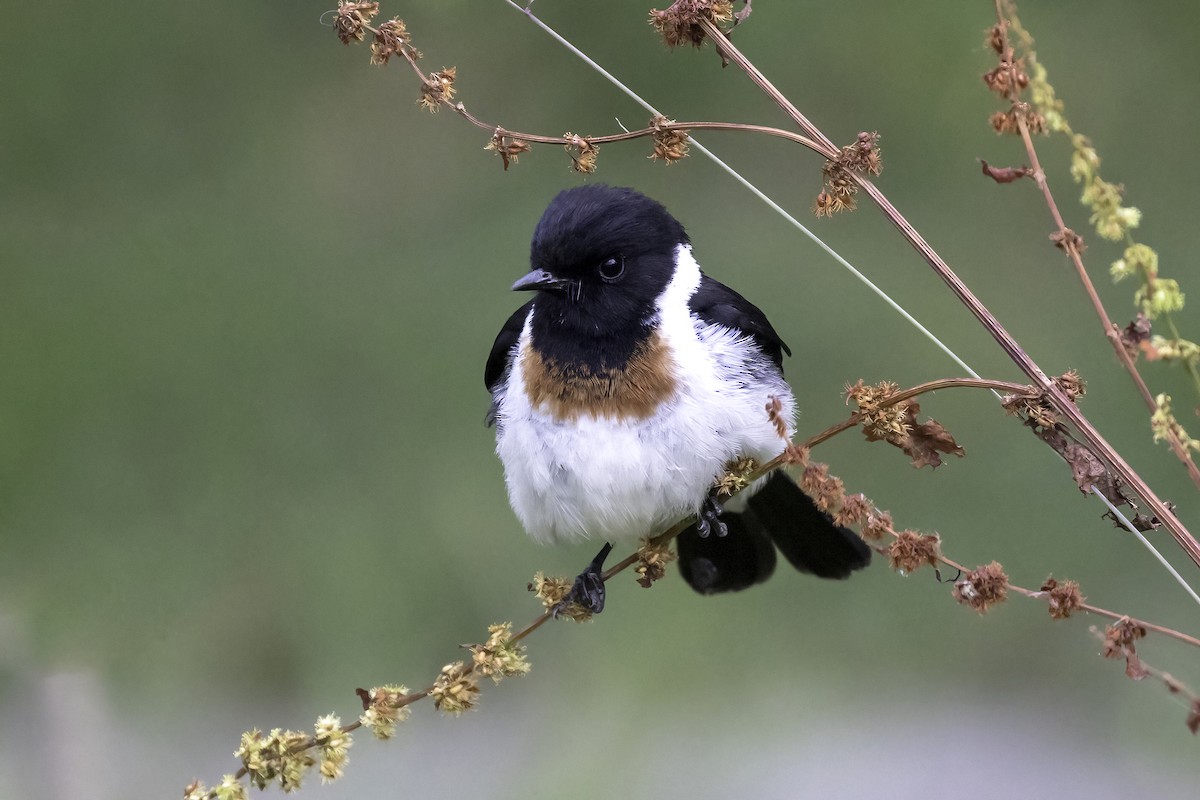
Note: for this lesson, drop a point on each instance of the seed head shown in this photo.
(670, 144)
(680, 24)
(333, 743)
(390, 39)
(383, 710)
(878, 525)
(500, 657)
(456, 689)
(982, 588)
(438, 89)
(1063, 599)
(911, 550)
(855, 508)
(652, 562)
(582, 152)
(507, 148)
(351, 19)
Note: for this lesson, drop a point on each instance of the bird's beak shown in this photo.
(540, 280)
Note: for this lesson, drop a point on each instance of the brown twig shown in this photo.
(534, 138)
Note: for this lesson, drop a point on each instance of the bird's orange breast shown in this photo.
(570, 391)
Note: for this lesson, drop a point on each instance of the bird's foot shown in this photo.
(588, 590)
(708, 519)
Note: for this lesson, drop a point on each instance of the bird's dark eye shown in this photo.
(611, 269)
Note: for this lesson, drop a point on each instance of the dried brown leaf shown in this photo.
(1005, 174)
(929, 439)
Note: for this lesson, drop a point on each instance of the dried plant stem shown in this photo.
(1053, 393)
(312, 742)
(534, 138)
(1088, 607)
(898, 397)
(1070, 244)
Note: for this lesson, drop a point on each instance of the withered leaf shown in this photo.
(1193, 717)
(1086, 469)
(1135, 334)
(927, 440)
(921, 442)
(1005, 174)
(1133, 666)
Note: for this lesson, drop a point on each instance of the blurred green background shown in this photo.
(247, 289)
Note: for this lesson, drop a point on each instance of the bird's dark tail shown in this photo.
(779, 513)
(741, 558)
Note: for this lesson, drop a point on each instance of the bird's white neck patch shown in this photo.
(684, 281)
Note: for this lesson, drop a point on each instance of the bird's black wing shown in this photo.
(717, 304)
(500, 359)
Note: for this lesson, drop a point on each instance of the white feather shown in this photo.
(612, 479)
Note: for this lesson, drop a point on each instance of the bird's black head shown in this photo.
(601, 256)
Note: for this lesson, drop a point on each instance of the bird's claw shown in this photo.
(588, 590)
(708, 519)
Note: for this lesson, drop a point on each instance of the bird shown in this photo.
(626, 387)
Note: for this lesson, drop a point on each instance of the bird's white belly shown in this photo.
(610, 478)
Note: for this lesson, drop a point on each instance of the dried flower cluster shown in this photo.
(910, 550)
(456, 689)
(1007, 79)
(391, 39)
(855, 509)
(507, 147)
(437, 89)
(826, 490)
(500, 657)
(680, 24)
(883, 419)
(1036, 408)
(552, 592)
(1008, 73)
(384, 707)
(1068, 241)
(1135, 337)
(333, 744)
(1119, 641)
(351, 19)
(652, 560)
(1009, 122)
(281, 755)
(982, 587)
(670, 144)
(582, 152)
(1062, 599)
(792, 453)
(230, 788)
(838, 184)
(878, 525)
(736, 477)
